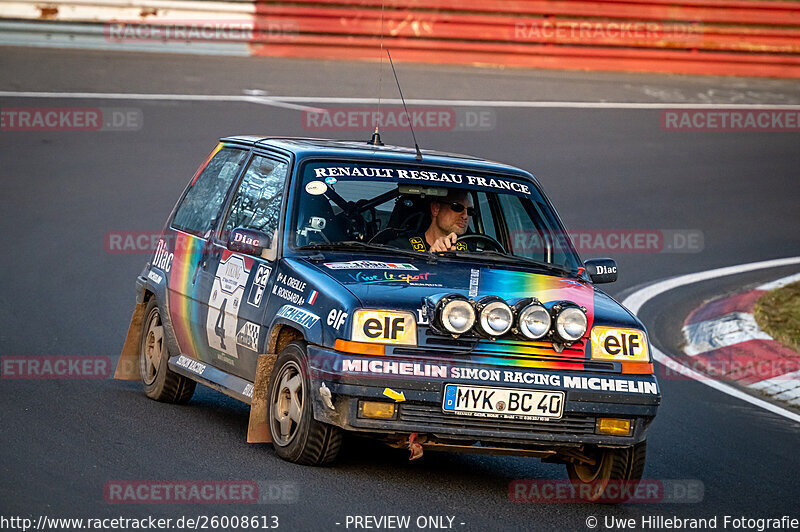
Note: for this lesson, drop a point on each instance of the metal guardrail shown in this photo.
(724, 37)
(94, 36)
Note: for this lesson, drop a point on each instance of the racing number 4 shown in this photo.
(219, 327)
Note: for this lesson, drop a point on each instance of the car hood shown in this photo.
(384, 282)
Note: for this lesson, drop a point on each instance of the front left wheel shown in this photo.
(296, 435)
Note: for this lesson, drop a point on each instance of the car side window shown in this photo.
(257, 203)
(200, 207)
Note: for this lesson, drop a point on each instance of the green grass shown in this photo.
(778, 314)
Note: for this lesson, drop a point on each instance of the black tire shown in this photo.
(636, 465)
(620, 468)
(160, 382)
(296, 435)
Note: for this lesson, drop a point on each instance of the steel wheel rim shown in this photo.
(287, 404)
(589, 473)
(592, 475)
(152, 348)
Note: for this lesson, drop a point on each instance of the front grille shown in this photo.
(433, 419)
(465, 347)
(431, 339)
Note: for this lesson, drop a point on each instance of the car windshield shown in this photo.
(352, 204)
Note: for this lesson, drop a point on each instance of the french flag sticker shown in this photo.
(312, 297)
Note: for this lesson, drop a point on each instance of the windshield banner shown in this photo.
(331, 172)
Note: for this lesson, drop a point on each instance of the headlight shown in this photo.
(457, 316)
(571, 324)
(496, 318)
(534, 321)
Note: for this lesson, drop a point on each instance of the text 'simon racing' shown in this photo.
(433, 302)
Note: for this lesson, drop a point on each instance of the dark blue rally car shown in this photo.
(430, 300)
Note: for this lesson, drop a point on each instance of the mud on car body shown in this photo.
(279, 281)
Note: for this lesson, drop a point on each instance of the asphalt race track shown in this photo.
(64, 293)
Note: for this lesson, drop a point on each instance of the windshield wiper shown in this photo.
(364, 246)
(505, 257)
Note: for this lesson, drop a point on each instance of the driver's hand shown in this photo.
(444, 243)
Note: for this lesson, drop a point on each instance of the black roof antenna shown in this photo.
(410, 125)
(376, 136)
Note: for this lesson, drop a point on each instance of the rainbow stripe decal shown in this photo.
(208, 160)
(184, 295)
(522, 363)
(513, 284)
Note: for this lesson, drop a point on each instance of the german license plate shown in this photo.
(506, 403)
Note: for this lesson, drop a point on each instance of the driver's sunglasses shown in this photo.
(457, 207)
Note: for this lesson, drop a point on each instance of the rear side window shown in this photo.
(201, 205)
(257, 203)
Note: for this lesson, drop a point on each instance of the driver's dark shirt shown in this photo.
(418, 243)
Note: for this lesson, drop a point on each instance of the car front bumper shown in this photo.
(588, 397)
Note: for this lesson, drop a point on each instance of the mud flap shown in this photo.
(258, 429)
(128, 363)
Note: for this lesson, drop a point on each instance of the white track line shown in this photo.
(523, 103)
(261, 100)
(291, 101)
(636, 300)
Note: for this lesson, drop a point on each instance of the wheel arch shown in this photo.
(281, 335)
(128, 363)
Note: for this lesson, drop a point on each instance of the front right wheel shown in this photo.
(296, 435)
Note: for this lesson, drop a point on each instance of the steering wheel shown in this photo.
(497, 246)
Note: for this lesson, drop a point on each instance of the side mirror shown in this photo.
(248, 241)
(601, 270)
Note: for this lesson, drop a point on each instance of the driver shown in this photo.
(449, 220)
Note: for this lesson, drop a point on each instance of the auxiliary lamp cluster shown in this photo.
(562, 322)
